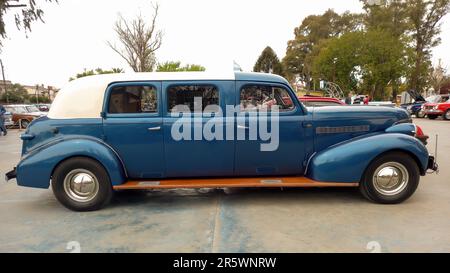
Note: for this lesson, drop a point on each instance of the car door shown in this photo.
(286, 153)
(189, 152)
(132, 125)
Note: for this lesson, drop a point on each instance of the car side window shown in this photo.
(182, 96)
(258, 97)
(133, 99)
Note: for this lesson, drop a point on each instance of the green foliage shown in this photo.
(268, 62)
(16, 94)
(387, 45)
(314, 29)
(176, 67)
(338, 59)
(97, 71)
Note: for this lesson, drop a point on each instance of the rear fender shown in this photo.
(346, 162)
(36, 168)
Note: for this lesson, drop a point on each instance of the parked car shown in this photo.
(415, 108)
(440, 109)
(432, 108)
(43, 107)
(23, 115)
(311, 101)
(8, 119)
(115, 132)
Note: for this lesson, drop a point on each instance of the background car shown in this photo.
(415, 108)
(23, 115)
(8, 119)
(310, 101)
(43, 107)
(430, 108)
(440, 109)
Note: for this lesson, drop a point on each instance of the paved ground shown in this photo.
(300, 220)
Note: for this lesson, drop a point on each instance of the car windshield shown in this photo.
(17, 109)
(32, 108)
(433, 99)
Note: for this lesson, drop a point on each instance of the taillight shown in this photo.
(420, 135)
(419, 131)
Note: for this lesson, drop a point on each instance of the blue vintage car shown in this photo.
(169, 130)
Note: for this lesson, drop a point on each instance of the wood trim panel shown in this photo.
(250, 182)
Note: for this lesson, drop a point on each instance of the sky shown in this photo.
(212, 33)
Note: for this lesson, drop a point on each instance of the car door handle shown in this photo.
(242, 127)
(155, 128)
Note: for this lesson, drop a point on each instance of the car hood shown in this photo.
(334, 124)
(415, 95)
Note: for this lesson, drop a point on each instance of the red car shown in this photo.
(439, 107)
(320, 101)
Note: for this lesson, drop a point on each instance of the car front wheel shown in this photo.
(81, 184)
(447, 115)
(420, 114)
(390, 179)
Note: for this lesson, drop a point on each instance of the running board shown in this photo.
(251, 182)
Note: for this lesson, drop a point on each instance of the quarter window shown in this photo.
(133, 99)
(264, 97)
(182, 96)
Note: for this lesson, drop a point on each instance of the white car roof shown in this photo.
(83, 98)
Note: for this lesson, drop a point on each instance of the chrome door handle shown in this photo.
(242, 127)
(155, 128)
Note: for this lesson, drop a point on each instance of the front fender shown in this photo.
(35, 169)
(346, 162)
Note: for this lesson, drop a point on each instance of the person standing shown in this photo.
(2, 120)
(366, 100)
(348, 99)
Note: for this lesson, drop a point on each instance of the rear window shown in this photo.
(133, 99)
(182, 96)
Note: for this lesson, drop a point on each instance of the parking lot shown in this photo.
(238, 220)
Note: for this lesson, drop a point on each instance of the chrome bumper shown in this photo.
(10, 175)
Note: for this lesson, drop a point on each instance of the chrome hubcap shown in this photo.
(390, 178)
(81, 185)
(447, 115)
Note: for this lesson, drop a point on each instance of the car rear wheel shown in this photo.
(447, 115)
(390, 179)
(82, 184)
(24, 123)
(432, 116)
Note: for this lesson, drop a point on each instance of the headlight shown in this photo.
(435, 108)
(409, 107)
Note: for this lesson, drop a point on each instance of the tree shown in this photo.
(16, 94)
(139, 41)
(268, 62)
(425, 16)
(27, 13)
(176, 67)
(97, 71)
(437, 77)
(338, 60)
(383, 60)
(310, 33)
